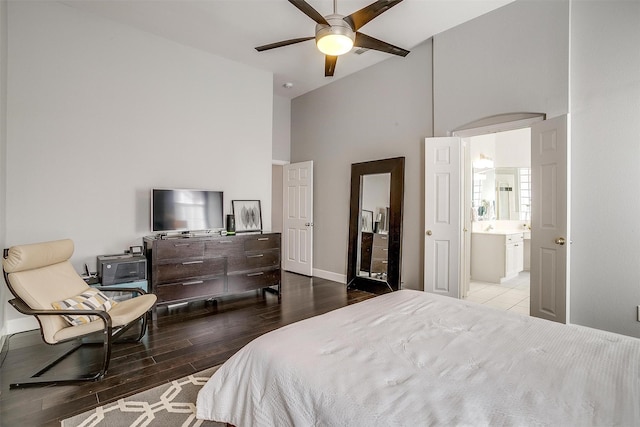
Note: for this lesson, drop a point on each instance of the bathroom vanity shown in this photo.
(496, 256)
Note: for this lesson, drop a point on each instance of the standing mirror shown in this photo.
(375, 225)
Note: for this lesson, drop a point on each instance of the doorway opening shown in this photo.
(497, 215)
(448, 189)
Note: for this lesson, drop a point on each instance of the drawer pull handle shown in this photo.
(255, 256)
(191, 262)
(255, 274)
(225, 241)
(263, 238)
(177, 245)
(195, 282)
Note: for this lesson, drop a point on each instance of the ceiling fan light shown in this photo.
(334, 44)
(336, 38)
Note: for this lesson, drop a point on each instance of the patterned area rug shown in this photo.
(171, 404)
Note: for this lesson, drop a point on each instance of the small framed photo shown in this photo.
(247, 214)
(367, 221)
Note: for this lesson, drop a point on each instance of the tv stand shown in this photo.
(204, 267)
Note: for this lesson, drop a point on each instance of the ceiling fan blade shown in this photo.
(368, 42)
(358, 19)
(308, 10)
(329, 65)
(283, 43)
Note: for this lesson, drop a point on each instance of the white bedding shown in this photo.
(410, 358)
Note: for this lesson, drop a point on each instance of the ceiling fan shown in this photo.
(337, 34)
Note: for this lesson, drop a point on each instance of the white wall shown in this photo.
(375, 192)
(507, 149)
(605, 158)
(99, 113)
(281, 155)
(281, 129)
(276, 198)
(3, 155)
(381, 112)
(513, 59)
(513, 148)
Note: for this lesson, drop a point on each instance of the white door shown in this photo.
(549, 213)
(443, 222)
(297, 224)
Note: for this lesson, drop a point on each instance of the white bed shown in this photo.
(409, 358)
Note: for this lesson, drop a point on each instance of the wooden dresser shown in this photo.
(374, 253)
(186, 269)
(380, 253)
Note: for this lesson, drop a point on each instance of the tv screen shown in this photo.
(186, 210)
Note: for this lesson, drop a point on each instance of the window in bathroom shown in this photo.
(525, 193)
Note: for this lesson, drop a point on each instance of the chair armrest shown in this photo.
(23, 308)
(139, 291)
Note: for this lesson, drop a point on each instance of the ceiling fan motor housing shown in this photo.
(337, 26)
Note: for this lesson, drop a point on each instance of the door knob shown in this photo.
(429, 232)
(308, 224)
(560, 241)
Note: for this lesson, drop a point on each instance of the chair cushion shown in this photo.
(125, 312)
(36, 255)
(91, 299)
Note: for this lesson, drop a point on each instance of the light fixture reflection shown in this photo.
(483, 162)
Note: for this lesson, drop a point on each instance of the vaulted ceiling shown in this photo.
(233, 28)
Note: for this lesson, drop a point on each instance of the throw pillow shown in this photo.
(91, 299)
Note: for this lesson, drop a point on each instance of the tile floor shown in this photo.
(512, 295)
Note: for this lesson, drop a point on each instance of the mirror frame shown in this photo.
(394, 166)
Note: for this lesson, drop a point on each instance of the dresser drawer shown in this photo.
(189, 289)
(514, 238)
(380, 253)
(224, 246)
(256, 280)
(379, 266)
(261, 242)
(381, 240)
(254, 260)
(181, 270)
(176, 249)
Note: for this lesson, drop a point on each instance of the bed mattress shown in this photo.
(411, 358)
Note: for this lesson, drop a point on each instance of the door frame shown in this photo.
(491, 124)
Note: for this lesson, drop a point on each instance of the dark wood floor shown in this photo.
(182, 341)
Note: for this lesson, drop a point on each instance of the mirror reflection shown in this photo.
(375, 225)
(373, 241)
(501, 194)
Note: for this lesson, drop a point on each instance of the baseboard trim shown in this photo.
(330, 275)
(21, 325)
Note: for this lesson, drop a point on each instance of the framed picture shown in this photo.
(248, 215)
(367, 221)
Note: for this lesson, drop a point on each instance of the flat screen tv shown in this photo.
(186, 210)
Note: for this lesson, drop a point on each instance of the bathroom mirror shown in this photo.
(501, 193)
(375, 225)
